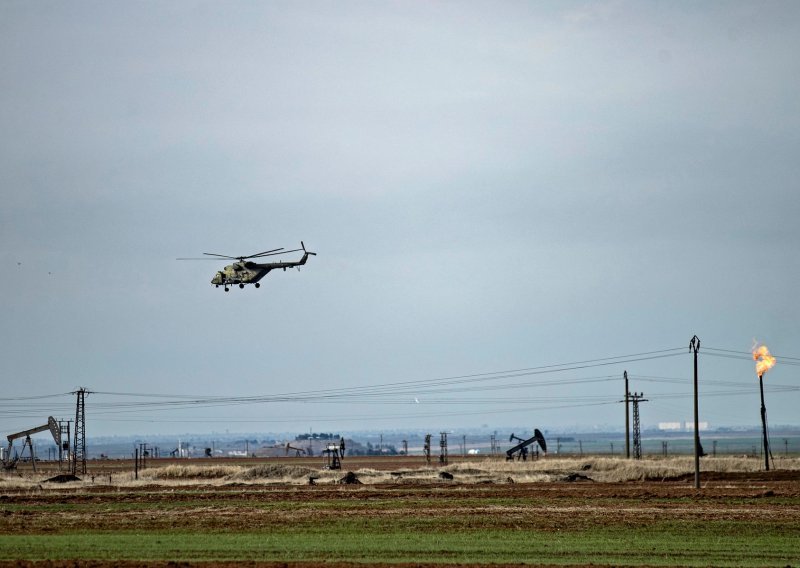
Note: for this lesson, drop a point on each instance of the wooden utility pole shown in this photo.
(694, 347)
(627, 419)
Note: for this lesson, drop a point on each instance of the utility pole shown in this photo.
(694, 347)
(443, 447)
(637, 435)
(79, 445)
(426, 449)
(627, 419)
(144, 451)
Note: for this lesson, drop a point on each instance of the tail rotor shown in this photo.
(305, 251)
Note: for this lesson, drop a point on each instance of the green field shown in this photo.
(654, 524)
(657, 545)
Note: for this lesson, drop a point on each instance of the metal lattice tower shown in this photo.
(636, 398)
(63, 427)
(79, 444)
(443, 446)
(427, 448)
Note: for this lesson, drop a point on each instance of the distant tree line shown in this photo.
(315, 436)
(373, 450)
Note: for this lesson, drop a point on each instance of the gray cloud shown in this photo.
(487, 189)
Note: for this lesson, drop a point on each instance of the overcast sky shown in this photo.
(488, 186)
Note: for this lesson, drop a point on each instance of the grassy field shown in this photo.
(658, 546)
(484, 516)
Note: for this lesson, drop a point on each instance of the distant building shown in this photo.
(687, 426)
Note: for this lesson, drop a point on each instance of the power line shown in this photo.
(747, 355)
(462, 379)
(432, 391)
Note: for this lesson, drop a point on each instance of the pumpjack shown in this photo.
(11, 463)
(332, 455)
(520, 451)
(298, 451)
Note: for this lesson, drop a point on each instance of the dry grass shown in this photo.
(271, 472)
(605, 469)
(199, 472)
(487, 470)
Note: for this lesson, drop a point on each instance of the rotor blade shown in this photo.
(302, 244)
(274, 253)
(222, 255)
(265, 253)
(217, 256)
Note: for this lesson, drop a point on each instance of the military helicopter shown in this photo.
(245, 271)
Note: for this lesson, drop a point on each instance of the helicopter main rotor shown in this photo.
(217, 256)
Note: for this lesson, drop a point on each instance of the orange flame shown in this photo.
(764, 361)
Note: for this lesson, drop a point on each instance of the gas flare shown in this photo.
(764, 361)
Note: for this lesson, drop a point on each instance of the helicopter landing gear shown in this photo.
(258, 284)
(241, 286)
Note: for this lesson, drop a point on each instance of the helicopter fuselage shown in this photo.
(248, 272)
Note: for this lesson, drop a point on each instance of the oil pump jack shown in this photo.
(55, 430)
(332, 455)
(520, 451)
(298, 451)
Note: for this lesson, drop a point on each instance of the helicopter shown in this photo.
(245, 271)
